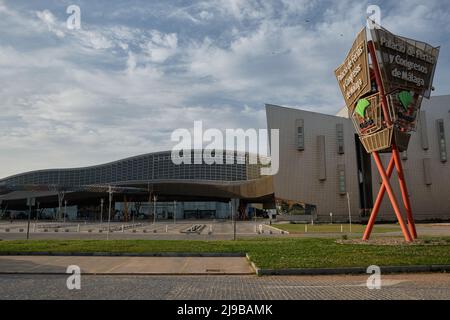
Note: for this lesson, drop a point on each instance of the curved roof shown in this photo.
(154, 172)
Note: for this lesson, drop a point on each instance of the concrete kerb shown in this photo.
(258, 271)
(118, 254)
(352, 270)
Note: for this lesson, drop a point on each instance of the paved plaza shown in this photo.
(168, 230)
(125, 265)
(394, 287)
(164, 230)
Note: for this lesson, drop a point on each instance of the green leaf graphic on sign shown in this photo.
(362, 106)
(405, 98)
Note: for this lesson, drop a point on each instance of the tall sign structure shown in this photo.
(383, 99)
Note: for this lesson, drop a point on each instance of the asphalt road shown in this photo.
(403, 286)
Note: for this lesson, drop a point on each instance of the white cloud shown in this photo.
(115, 89)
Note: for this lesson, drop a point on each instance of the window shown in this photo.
(300, 135)
(441, 139)
(423, 130)
(341, 180)
(340, 138)
(427, 171)
(404, 155)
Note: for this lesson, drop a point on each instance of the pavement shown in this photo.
(125, 265)
(167, 230)
(162, 230)
(393, 287)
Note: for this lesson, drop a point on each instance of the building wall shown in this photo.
(301, 178)
(429, 202)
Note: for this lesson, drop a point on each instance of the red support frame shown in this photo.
(409, 230)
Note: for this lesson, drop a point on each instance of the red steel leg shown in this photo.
(376, 207)
(404, 190)
(391, 194)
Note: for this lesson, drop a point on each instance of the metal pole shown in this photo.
(109, 212)
(65, 210)
(154, 209)
(395, 154)
(29, 217)
(37, 212)
(174, 211)
(392, 197)
(349, 212)
(101, 210)
(234, 218)
(376, 207)
(404, 190)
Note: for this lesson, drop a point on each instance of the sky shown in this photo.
(137, 70)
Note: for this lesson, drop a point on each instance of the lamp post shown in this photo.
(155, 198)
(101, 210)
(174, 211)
(30, 204)
(349, 212)
(109, 211)
(65, 210)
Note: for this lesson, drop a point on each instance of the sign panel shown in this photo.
(404, 107)
(353, 75)
(368, 116)
(404, 63)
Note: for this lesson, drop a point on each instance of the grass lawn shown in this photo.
(334, 228)
(266, 253)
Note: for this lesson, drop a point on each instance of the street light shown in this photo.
(155, 198)
(65, 210)
(349, 212)
(174, 211)
(109, 211)
(101, 210)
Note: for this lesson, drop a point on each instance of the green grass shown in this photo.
(334, 228)
(266, 253)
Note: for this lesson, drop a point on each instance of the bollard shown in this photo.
(123, 229)
(78, 228)
(342, 229)
(261, 228)
(34, 227)
(210, 228)
(306, 228)
(167, 228)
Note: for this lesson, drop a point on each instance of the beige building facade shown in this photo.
(323, 164)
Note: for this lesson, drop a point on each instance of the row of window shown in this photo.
(299, 123)
(148, 167)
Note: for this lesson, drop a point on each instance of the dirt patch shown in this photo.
(395, 242)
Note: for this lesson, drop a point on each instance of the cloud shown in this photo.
(138, 70)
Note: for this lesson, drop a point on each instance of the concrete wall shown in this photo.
(300, 178)
(432, 201)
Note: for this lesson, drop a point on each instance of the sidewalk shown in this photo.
(126, 265)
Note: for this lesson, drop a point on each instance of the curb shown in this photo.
(133, 274)
(352, 270)
(118, 254)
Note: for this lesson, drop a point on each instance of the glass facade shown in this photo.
(148, 167)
